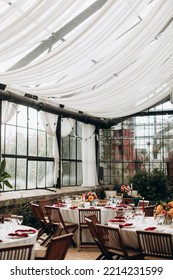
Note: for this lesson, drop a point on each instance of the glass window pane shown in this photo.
(21, 141)
(21, 174)
(22, 116)
(32, 175)
(10, 168)
(49, 174)
(41, 144)
(72, 148)
(65, 173)
(41, 174)
(32, 142)
(32, 118)
(72, 173)
(10, 140)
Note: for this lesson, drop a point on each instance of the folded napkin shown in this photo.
(1, 240)
(117, 221)
(92, 207)
(119, 217)
(72, 207)
(26, 230)
(18, 234)
(60, 204)
(150, 228)
(125, 225)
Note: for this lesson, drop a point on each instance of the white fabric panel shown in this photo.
(50, 123)
(113, 65)
(89, 156)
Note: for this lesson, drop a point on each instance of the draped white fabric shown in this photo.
(50, 123)
(66, 126)
(89, 156)
(8, 111)
(116, 63)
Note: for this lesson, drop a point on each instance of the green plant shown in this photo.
(152, 186)
(4, 175)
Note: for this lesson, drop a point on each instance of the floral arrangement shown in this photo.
(165, 209)
(90, 196)
(125, 188)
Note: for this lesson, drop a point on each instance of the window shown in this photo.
(27, 149)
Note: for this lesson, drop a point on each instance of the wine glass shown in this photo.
(20, 219)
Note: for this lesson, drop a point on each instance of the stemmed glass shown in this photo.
(20, 220)
(96, 201)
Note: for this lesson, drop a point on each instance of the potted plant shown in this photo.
(4, 176)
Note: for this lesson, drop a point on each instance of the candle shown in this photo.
(143, 204)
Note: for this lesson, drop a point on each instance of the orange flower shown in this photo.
(159, 209)
(90, 198)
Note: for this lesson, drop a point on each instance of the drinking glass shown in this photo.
(14, 221)
(20, 220)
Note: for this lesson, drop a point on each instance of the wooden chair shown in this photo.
(113, 244)
(155, 245)
(56, 249)
(45, 225)
(84, 212)
(23, 252)
(92, 217)
(96, 238)
(149, 210)
(56, 219)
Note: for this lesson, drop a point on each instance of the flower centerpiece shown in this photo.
(125, 188)
(165, 209)
(90, 196)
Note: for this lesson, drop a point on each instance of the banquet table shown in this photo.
(128, 233)
(18, 235)
(71, 214)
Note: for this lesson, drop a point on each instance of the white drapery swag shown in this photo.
(66, 126)
(90, 178)
(50, 124)
(8, 111)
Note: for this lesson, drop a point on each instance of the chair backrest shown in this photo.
(58, 247)
(23, 252)
(92, 217)
(86, 211)
(155, 244)
(149, 210)
(143, 203)
(111, 239)
(54, 215)
(42, 204)
(38, 213)
(94, 233)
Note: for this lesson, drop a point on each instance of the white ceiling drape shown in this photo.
(116, 63)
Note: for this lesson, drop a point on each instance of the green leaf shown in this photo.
(8, 184)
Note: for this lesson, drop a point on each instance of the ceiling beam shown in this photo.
(53, 109)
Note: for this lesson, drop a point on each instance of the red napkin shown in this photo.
(150, 228)
(117, 221)
(1, 240)
(125, 225)
(59, 204)
(73, 207)
(92, 207)
(18, 234)
(119, 217)
(26, 230)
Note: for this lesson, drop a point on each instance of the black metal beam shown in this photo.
(43, 106)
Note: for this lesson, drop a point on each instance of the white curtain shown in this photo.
(66, 126)
(50, 124)
(8, 111)
(89, 156)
